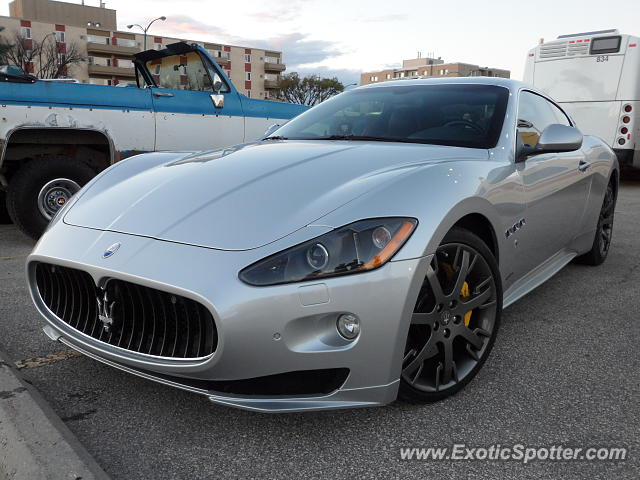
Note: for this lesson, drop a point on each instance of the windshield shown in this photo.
(463, 115)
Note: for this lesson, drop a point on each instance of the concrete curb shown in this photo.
(34, 442)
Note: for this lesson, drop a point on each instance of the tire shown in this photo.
(27, 211)
(441, 325)
(4, 214)
(604, 230)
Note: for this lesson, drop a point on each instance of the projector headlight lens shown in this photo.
(358, 247)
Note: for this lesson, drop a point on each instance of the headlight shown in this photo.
(357, 247)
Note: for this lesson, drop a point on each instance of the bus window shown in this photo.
(605, 45)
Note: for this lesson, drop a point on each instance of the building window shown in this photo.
(247, 58)
(249, 93)
(26, 32)
(60, 37)
(62, 58)
(388, 76)
(271, 59)
(247, 76)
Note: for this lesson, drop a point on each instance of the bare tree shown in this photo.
(19, 51)
(48, 58)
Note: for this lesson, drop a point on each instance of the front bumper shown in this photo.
(262, 331)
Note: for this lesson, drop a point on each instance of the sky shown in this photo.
(345, 38)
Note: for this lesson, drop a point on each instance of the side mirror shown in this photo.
(217, 86)
(555, 138)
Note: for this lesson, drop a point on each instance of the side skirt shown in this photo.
(538, 276)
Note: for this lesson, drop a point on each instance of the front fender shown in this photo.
(439, 195)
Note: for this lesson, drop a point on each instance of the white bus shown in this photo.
(595, 76)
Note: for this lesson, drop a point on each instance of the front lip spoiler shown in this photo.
(341, 398)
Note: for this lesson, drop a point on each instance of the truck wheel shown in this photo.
(41, 187)
(4, 214)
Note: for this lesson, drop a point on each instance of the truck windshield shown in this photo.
(464, 115)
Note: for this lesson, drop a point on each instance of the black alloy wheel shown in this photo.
(455, 320)
(604, 230)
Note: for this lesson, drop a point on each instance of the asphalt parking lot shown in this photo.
(565, 370)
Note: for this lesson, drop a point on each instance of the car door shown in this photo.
(186, 114)
(555, 186)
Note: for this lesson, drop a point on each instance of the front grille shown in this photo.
(127, 315)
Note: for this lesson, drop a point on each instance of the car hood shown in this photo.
(247, 196)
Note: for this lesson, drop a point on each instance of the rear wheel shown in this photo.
(4, 214)
(455, 320)
(604, 230)
(41, 187)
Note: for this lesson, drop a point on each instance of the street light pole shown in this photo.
(145, 30)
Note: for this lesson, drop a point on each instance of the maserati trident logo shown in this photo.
(105, 310)
(111, 250)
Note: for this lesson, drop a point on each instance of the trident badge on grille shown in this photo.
(105, 311)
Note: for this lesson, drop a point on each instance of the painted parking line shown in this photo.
(48, 360)
(14, 257)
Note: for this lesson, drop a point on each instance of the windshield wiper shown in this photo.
(364, 138)
(275, 138)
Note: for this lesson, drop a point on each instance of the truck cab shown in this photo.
(55, 136)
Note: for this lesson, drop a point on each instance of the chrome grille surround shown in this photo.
(126, 315)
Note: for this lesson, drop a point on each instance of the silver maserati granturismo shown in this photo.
(361, 252)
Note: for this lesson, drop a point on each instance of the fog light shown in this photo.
(621, 141)
(626, 119)
(624, 130)
(348, 326)
(627, 108)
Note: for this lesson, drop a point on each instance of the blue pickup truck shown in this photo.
(55, 136)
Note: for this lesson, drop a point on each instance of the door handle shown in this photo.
(162, 94)
(583, 165)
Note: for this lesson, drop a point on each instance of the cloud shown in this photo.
(184, 26)
(299, 50)
(385, 18)
(282, 11)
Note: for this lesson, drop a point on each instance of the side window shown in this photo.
(560, 116)
(535, 113)
(183, 72)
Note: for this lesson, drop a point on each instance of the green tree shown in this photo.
(309, 90)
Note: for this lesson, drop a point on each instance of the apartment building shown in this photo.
(108, 52)
(423, 67)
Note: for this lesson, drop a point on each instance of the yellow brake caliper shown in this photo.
(466, 293)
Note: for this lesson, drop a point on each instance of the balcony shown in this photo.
(274, 67)
(222, 61)
(106, 71)
(103, 48)
(270, 84)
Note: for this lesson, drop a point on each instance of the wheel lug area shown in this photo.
(436, 325)
(439, 307)
(452, 304)
(446, 332)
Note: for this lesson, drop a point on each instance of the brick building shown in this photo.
(431, 67)
(108, 52)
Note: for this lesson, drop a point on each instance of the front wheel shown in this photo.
(455, 320)
(40, 188)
